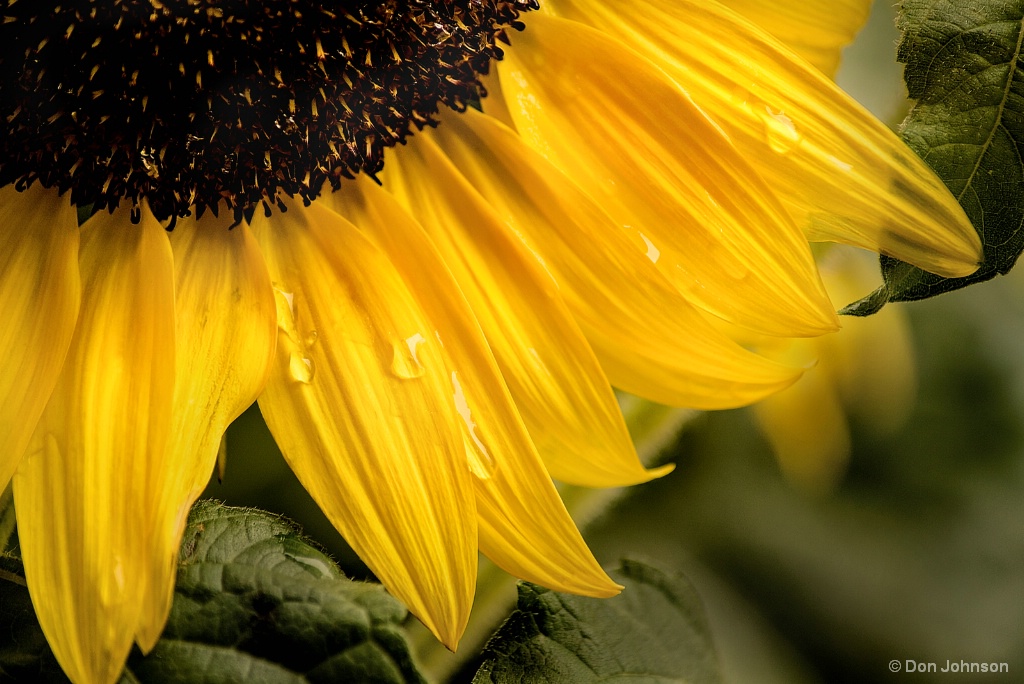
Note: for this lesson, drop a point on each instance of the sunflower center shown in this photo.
(190, 104)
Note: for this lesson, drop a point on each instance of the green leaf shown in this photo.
(254, 602)
(963, 63)
(24, 653)
(655, 631)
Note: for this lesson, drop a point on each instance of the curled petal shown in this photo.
(840, 172)
(85, 490)
(633, 140)
(364, 418)
(524, 527)
(649, 340)
(226, 332)
(39, 295)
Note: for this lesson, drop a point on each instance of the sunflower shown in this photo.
(429, 353)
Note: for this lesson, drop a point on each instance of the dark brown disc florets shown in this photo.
(188, 104)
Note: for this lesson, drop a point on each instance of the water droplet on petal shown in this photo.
(284, 302)
(113, 588)
(845, 167)
(405, 362)
(780, 131)
(300, 367)
(480, 460)
(653, 253)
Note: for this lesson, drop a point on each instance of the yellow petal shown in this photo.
(226, 332)
(817, 30)
(367, 421)
(524, 527)
(85, 490)
(39, 296)
(564, 397)
(841, 173)
(649, 340)
(633, 140)
(526, 531)
(494, 102)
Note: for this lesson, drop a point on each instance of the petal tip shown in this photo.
(608, 589)
(828, 322)
(147, 636)
(661, 471)
(449, 638)
(959, 268)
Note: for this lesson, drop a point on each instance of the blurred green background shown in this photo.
(917, 554)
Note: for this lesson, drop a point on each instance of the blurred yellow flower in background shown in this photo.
(865, 372)
(427, 355)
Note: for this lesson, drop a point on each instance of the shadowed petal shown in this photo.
(632, 139)
(226, 334)
(840, 172)
(85, 491)
(39, 296)
(649, 339)
(524, 527)
(366, 420)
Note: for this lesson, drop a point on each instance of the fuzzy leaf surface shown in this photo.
(654, 631)
(963, 62)
(254, 602)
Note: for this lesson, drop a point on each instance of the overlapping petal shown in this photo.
(412, 370)
(555, 379)
(39, 296)
(360, 402)
(817, 30)
(225, 333)
(631, 138)
(841, 173)
(649, 339)
(85, 490)
(524, 527)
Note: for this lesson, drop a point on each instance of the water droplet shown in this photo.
(780, 131)
(406, 363)
(285, 304)
(300, 367)
(845, 167)
(480, 460)
(653, 253)
(112, 589)
(310, 338)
